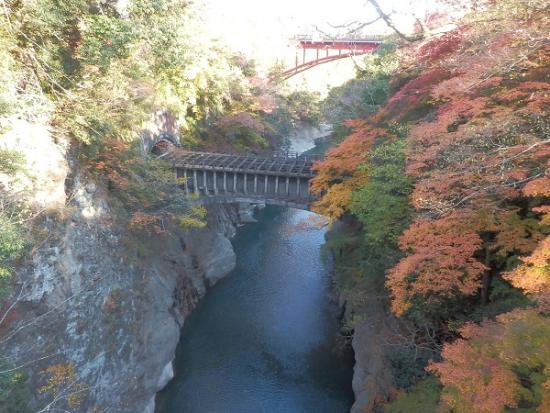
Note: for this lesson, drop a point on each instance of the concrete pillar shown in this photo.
(225, 182)
(195, 182)
(287, 186)
(204, 183)
(214, 178)
(244, 184)
(234, 182)
(276, 186)
(255, 183)
(186, 182)
(265, 184)
(298, 188)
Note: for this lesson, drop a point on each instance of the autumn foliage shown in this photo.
(340, 173)
(441, 257)
(63, 384)
(476, 103)
(498, 364)
(143, 189)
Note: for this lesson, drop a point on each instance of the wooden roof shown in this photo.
(291, 166)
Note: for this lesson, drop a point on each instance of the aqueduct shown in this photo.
(219, 178)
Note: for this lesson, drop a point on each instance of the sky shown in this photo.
(262, 29)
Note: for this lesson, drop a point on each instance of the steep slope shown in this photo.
(449, 183)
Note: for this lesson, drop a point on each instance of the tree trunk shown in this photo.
(487, 278)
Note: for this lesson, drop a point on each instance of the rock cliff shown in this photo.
(373, 380)
(98, 300)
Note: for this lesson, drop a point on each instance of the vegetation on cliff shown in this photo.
(450, 174)
(91, 77)
(99, 73)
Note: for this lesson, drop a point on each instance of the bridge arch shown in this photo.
(328, 50)
(163, 143)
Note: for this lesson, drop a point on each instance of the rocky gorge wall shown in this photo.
(96, 308)
(373, 380)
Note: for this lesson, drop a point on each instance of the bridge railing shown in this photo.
(367, 38)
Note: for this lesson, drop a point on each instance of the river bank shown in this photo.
(369, 324)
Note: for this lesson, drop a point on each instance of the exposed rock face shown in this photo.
(162, 125)
(214, 254)
(304, 136)
(45, 159)
(372, 378)
(107, 303)
(116, 312)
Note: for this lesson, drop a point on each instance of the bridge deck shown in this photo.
(366, 45)
(298, 166)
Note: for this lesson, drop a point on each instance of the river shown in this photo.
(265, 338)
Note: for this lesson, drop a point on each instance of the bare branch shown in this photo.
(352, 27)
(28, 363)
(13, 304)
(387, 19)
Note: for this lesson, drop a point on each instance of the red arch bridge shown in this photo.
(316, 52)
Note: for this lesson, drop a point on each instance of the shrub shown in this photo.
(144, 188)
(11, 245)
(421, 398)
(11, 161)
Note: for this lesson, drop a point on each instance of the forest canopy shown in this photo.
(445, 170)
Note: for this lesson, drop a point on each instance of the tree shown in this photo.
(532, 275)
(340, 173)
(474, 160)
(477, 155)
(64, 387)
(145, 188)
(440, 266)
(421, 398)
(387, 19)
(382, 204)
(498, 364)
(106, 70)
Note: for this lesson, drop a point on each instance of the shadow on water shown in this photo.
(264, 338)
